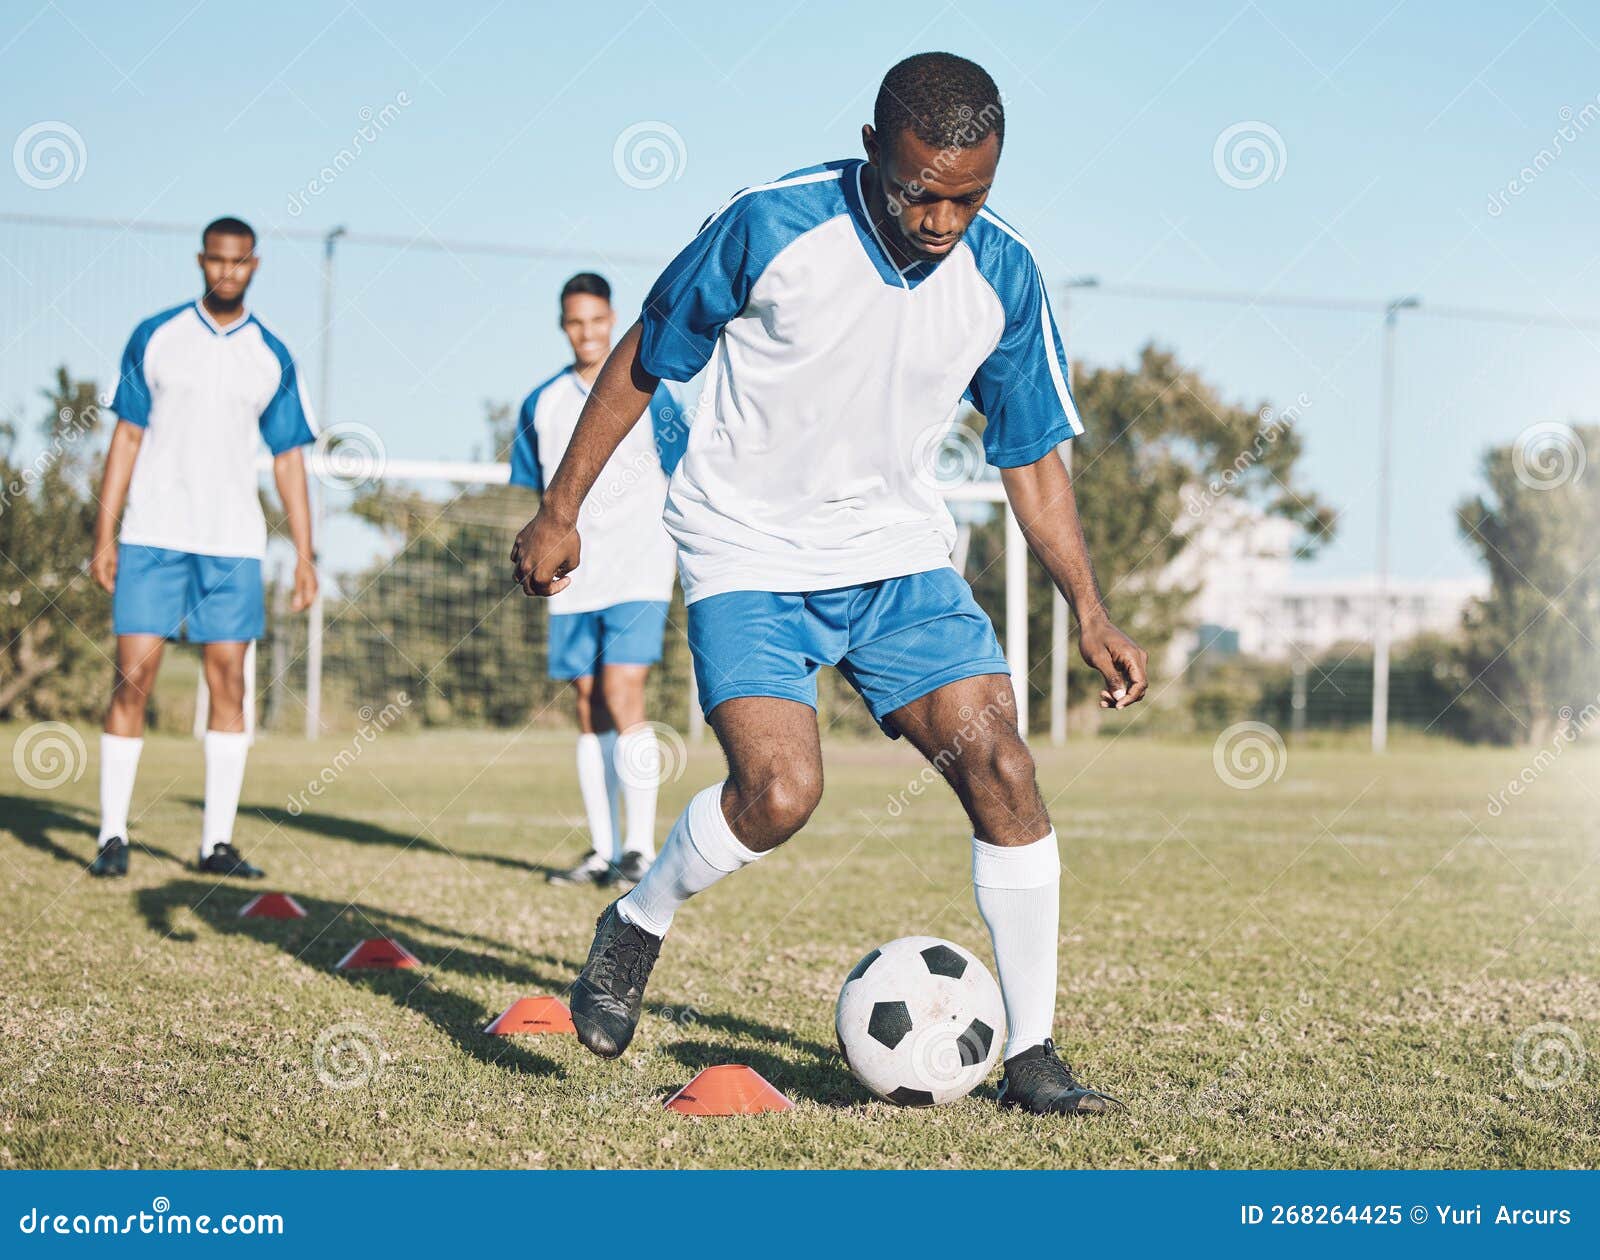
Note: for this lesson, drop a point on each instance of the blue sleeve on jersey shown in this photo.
(286, 422)
(525, 469)
(132, 399)
(1021, 388)
(671, 425)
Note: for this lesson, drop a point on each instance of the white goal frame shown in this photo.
(321, 469)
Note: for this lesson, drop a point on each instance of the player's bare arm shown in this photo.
(125, 442)
(547, 548)
(289, 472)
(1047, 510)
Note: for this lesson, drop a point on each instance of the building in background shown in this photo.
(1251, 603)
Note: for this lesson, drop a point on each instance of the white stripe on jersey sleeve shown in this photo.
(1047, 328)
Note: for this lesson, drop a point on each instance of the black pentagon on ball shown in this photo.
(944, 961)
(889, 1024)
(905, 1096)
(975, 1043)
(860, 969)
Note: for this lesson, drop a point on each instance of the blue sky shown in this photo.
(1392, 128)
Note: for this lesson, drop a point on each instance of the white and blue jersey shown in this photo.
(207, 397)
(831, 373)
(627, 553)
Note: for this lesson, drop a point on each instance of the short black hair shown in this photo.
(228, 226)
(942, 99)
(586, 282)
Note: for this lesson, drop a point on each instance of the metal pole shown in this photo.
(1380, 618)
(1059, 647)
(1017, 615)
(1058, 643)
(314, 623)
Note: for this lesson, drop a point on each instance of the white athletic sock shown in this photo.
(700, 849)
(119, 767)
(1019, 897)
(225, 757)
(638, 763)
(596, 801)
(608, 762)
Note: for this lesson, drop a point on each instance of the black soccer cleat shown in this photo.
(593, 871)
(1039, 1081)
(224, 859)
(112, 860)
(631, 869)
(608, 995)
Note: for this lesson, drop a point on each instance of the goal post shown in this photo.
(414, 562)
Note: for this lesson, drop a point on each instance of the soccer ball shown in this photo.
(919, 1021)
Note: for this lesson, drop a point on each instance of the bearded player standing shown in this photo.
(838, 312)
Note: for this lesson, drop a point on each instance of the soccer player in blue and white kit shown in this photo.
(202, 385)
(606, 626)
(840, 312)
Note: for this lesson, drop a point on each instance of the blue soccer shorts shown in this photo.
(214, 599)
(623, 634)
(894, 641)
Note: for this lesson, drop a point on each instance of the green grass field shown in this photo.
(1356, 964)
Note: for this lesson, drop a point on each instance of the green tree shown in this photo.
(1161, 449)
(1530, 654)
(55, 623)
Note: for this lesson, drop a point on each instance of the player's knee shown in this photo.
(1006, 768)
(784, 801)
(135, 685)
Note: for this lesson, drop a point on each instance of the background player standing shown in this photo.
(606, 626)
(201, 386)
(840, 312)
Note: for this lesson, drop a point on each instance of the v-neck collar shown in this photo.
(216, 328)
(872, 242)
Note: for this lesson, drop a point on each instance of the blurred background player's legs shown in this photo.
(227, 746)
(138, 661)
(636, 765)
(597, 740)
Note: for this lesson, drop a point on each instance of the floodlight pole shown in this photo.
(1380, 618)
(1059, 647)
(319, 514)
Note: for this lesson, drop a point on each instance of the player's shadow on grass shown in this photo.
(328, 932)
(337, 827)
(35, 822)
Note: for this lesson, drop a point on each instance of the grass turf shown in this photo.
(1360, 963)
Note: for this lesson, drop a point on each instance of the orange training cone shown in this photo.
(375, 953)
(533, 1015)
(729, 1089)
(272, 906)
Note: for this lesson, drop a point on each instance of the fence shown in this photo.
(424, 341)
